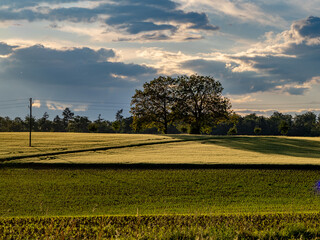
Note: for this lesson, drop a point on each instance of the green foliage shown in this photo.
(283, 127)
(233, 130)
(152, 106)
(194, 100)
(257, 130)
(199, 102)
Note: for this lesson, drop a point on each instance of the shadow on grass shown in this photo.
(155, 166)
(267, 145)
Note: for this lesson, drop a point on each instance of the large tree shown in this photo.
(194, 100)
(152, 106)
(199, 102)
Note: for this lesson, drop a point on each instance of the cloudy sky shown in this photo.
(90, 56)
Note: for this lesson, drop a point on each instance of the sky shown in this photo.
(90, 56)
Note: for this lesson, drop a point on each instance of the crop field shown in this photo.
(152, 186)
(254, 226)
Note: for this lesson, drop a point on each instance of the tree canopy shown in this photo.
(152, 106)
(196, 101)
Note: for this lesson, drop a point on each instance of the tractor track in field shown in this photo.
(91, 149)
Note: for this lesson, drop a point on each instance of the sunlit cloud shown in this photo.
(36, 104)
(242, 99)
(242, 10)
(52, 105)
(270, 111)
(80, 108)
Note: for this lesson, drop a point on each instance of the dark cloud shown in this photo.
(309, 27)
(5, 48)
(135, 14)
(132, 17)
(75, 67)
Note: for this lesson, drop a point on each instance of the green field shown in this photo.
(94, 176)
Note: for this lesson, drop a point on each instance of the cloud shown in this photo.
(76, 66)
(243, 99)
(141, 16)
(60, 106)
(307, 28)
(5, 49)
(36, 104)
(269, 112)
(159, 19)
(245, 11)
(287, 62)
(18, 4)
(52, 105)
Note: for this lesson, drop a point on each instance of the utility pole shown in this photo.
(30, 121)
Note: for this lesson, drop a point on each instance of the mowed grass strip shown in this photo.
(253, 226)
(17, 144)
(81, 192)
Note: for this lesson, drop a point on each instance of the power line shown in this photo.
(12, 100)
(24, 106)
(80, 102)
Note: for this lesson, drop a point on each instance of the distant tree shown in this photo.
(17, 125)
(79, 124)
(199, 102)
(152, 106)
(67, 116)
(233, 130)
(257, 130)
(274, 121)
(283, 127)
(44, 124)
(117, 124)
(33, 123)
(58, 124)
(93, 127)
(304, 124)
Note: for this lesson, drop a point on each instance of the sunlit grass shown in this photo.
(17, 144)
(193, 149)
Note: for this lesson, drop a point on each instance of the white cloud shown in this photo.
(36, 104)
(168, 63)
(80, 108)
(242, 99)
(52, 105)
(242, 10)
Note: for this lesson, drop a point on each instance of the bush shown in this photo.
(233, 130)
(257, 130)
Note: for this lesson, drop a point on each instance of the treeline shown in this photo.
(307, 124)
(68, 122)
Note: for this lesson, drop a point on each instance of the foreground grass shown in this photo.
(254, 226)
(73, 191)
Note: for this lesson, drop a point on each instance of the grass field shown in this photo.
(82, 192)
(138, 148)
(148, 176)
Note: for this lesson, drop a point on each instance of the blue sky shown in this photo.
(90, 56)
